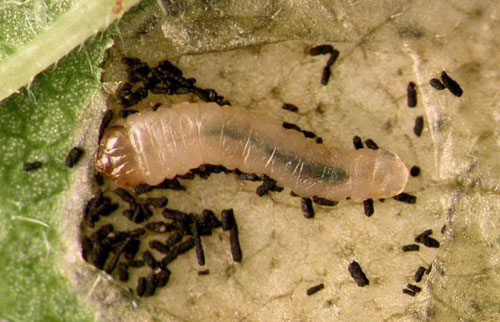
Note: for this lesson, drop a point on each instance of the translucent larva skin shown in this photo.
(149, 147)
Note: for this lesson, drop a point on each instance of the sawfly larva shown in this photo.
(151, 146)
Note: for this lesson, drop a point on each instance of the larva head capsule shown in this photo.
(116, 158)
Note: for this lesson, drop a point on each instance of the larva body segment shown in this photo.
(150, 146)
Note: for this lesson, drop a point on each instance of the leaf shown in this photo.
(36, 34)
(38, 124)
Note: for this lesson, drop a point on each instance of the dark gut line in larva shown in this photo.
(310, 169)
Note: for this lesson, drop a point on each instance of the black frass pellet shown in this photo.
(204, 272)
(423, 234)
(32, 166)
(419, 125)
(73, 157)
(308, 134)
(368, 207)
(159, 90)
(102, 232)
(149, 259)
(319, 140)
(228, 220)
(451, 84)
(436, 83)
(172, 184)
(370, 144)
(267, 185)
(230, 223)
(205, 170)
(162, 277)
(159, 246)
(214, 168)
(137, 73)
(99, 180)
(185, 246)
(325, 75)
(409, 292)
(334, 54)
(307, 207)
(406, 198)
(167, 68)
(209, 220)
(156, 202)
(136, 233)
(176, 215)
(188, 176)
(99, 254)
(414, 288)
(150, 285)
(181, 90)
(131, 61)
(160, 227)
(124, 195)
(324, 202)
(314, 289)
(419, 274)
(176, 251)
(173, 239)
(206, 95)
(333, 58)
(247, 176)
(321, 50)
(357, 274)
(291, 126)
(411, 95)
(141, 286)
(123, 272)
(428, 242)
(132, 249)
(356, 141)
(200, 254)
(295, 127)
(136, 213)
(234, 242)
(431, 242)
(98, 206)
(411, 248)
(115, 239)
(86, 248)
(290, 107)
(141, 92)
(118, 252)
(425, 239)
(142, 188)
(136, 263)
(206, 223)
(125, 96)
(414, 171)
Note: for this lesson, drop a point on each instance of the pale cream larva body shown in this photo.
(150, 146)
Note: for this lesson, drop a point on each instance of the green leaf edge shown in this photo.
(83, 20)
